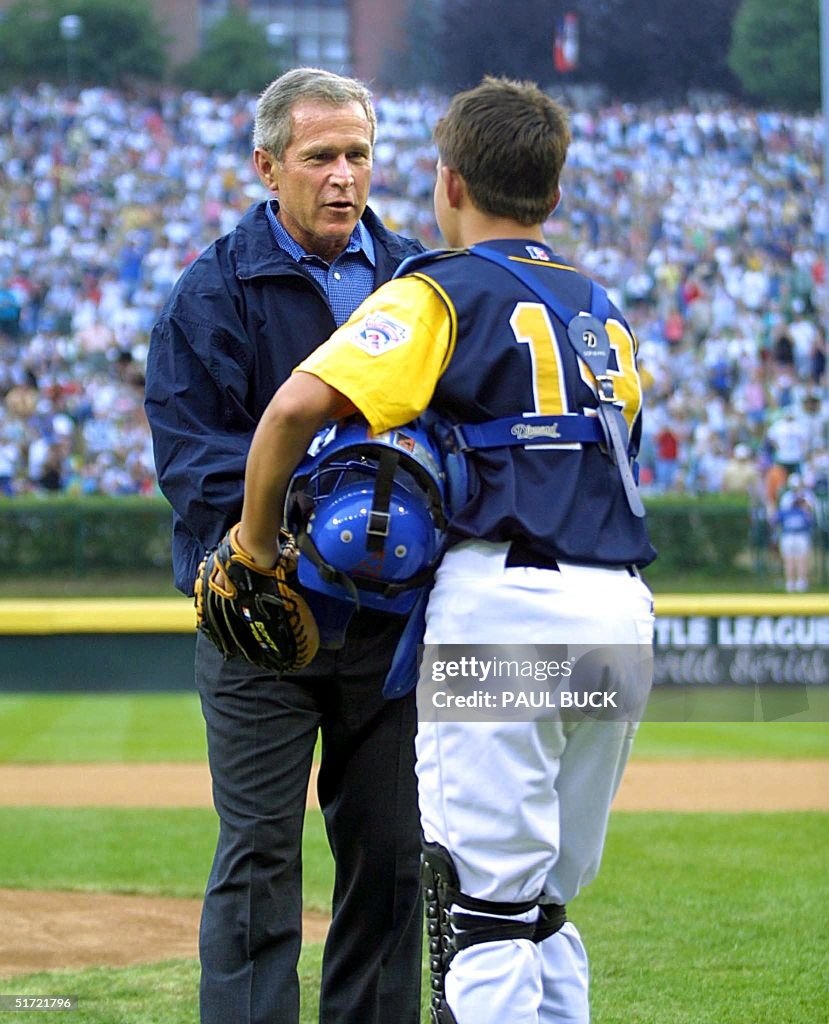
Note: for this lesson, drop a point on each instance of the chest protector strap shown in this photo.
(588, 337)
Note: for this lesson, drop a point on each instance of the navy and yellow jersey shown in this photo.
(463, 337)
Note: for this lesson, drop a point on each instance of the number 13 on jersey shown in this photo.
(531, 325)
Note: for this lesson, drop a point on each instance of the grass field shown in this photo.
(694, 919)
(76, 728)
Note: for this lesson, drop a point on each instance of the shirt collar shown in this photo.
(360, 241)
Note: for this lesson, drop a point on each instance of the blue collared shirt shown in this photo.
(348, 281)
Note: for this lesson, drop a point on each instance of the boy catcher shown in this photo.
(536, 370)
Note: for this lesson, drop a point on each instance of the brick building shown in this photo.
(349, 36)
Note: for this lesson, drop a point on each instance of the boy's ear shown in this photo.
(454, 185)
(557, 201)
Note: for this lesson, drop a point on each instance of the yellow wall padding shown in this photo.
(33, 616)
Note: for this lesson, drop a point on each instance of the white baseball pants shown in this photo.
(523, 806)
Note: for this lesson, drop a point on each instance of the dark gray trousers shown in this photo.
(261, 734)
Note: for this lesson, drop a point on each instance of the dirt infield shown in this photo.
(49, 930)
(44, 931)
(675, 785)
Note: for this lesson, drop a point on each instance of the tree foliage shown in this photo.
(236, 57)
(776, 52)
(641, 50)
(636, 49)
(119, 42)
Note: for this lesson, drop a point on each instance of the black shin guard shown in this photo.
(450, 931)
(440, 885)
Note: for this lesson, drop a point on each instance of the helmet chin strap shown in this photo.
(378, 520)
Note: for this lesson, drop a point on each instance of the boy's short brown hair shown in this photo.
(509, 141)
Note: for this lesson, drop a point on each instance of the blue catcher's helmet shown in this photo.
(368, 515)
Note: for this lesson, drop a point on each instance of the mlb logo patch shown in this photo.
(378, 333)
(537, 253)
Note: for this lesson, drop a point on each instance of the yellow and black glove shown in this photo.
(254, 612)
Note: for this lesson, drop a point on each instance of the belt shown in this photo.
(522, 554)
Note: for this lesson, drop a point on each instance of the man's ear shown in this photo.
(267, 168)
(557, 201)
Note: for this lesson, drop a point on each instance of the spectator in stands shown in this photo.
(9, 313)
(666, 464)
(9, 455)
(789, 439)
(740, 474)
(760, 531)
(814, 421)
(774, 483)
(51, 476)
(795, 523)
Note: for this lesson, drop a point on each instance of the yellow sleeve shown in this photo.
(389, 356)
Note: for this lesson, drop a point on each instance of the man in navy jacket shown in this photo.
(241, 317)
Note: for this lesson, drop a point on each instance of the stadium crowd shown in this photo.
(707, 223)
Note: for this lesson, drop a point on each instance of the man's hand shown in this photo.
(252, 611)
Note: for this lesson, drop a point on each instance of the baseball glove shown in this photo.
(245, 609)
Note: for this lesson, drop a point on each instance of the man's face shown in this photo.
(324, 176)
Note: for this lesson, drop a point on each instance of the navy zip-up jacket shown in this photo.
(237, 322)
